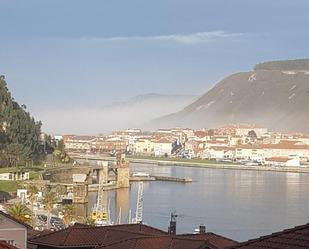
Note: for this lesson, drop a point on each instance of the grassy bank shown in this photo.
(9, 186)
(181, 160)
(201, 163)
(12, 186)
(34, 172)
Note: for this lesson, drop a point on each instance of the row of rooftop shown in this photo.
(18, 235)
(231, 143)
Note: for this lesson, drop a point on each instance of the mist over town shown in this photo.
(168, 124)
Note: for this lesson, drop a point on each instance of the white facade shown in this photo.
(83, 143)
(218, 153)
(256, 154)
(144, 146)
(17, 176)
(163, 148)
(283, 161)
(6, 177)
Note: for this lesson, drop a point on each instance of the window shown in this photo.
(10, 242)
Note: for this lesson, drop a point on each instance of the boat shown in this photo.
(140, 174)
(100, 215)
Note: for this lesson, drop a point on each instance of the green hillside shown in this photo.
(19, 132)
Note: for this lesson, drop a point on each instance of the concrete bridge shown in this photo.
(103, 174)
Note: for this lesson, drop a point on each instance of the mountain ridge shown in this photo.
(274, 94)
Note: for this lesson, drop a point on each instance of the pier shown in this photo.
(160, 178)
(172, 179)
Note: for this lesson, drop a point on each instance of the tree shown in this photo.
(89, 221)
(32, 192)
(49, 199)
(20, 212)
(211, 133)
(19, 132)
(59, 153)
(67, 212)
(252, 135)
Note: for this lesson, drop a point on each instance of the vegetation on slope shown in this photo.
(19, 132)
(287, 65)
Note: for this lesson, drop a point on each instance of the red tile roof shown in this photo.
(277, 159)
(219, 241)
(164, 140)
(81, 138)
(161, 242)
(222, 148)
(201, 134)
(83, 236)
(294, 238)
(133, 236)
(4, 245)
(284, 144)
(242, 126)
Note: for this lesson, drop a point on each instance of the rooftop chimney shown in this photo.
(172, 227)
(202, 229)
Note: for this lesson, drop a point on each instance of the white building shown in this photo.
(79, 143)
(14, 176)
(163, 147)
(218, 153)
(249, 152)
(283, 161)
(286, 148)
(144, 146)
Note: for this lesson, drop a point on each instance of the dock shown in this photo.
(112, 186)
(172, 179)
(142, 178)
(159, 178)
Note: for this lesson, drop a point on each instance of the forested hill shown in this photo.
(19, 132)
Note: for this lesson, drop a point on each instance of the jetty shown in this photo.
(160, 178)
(172, 179)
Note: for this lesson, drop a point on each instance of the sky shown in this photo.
(74, 54)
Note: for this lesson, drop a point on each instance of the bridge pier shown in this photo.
(80, 188)
(123, 176)
(102, 172)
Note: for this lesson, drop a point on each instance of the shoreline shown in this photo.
(221, 166)
(162, 162)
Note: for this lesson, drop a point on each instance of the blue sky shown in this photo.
(71, 53)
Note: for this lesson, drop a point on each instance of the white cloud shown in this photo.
(200, 37)
(193, 38)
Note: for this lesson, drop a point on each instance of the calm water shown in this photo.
(237, 204)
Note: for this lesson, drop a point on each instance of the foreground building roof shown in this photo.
(294, 238)
(81, 236)
(133, 236)
(184, 241)
(161, 242)
(4, 245)
(215, 239)
(15, 220)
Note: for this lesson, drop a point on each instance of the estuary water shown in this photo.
(239, 204)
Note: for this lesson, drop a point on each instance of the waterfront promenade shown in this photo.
(188, 163)
(222, 166)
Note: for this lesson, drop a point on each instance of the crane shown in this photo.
(139, 204)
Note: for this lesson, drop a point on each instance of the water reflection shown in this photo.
(237, 204)
(80, 212)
